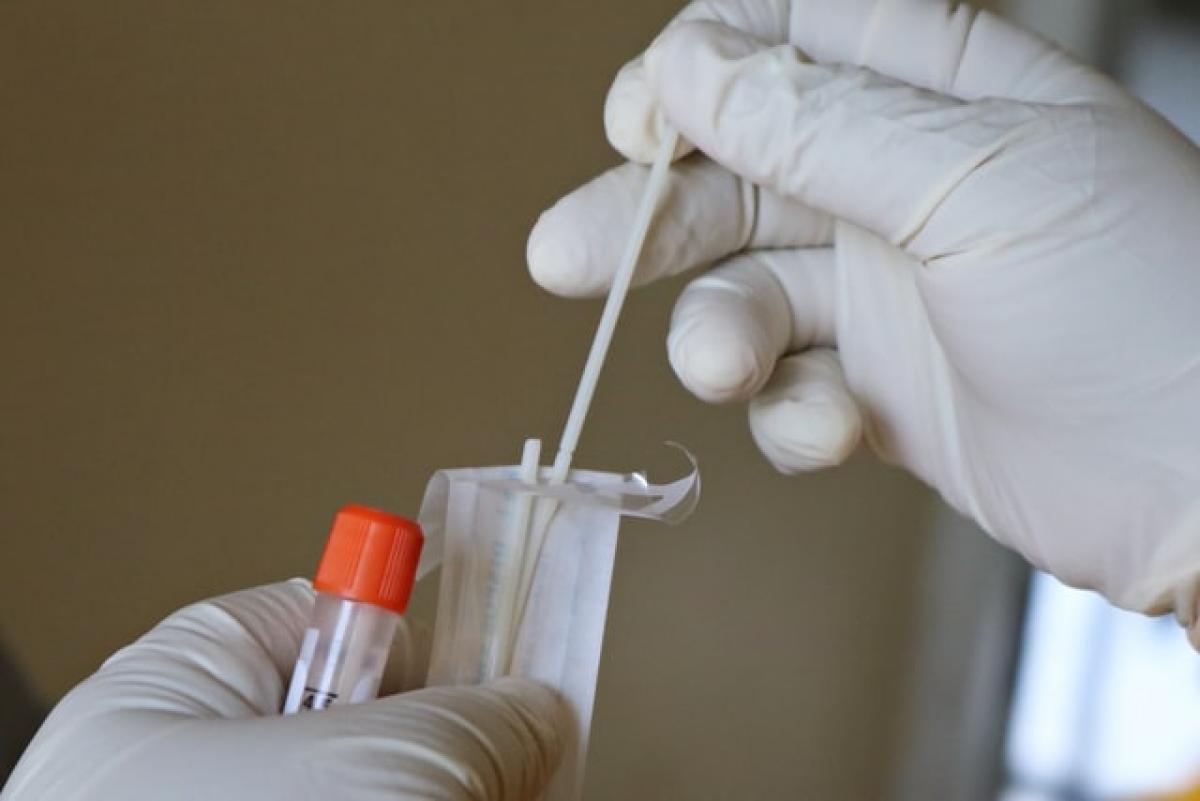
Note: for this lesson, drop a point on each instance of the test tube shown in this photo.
(363, 583)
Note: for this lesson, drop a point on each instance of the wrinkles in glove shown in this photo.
(191, 711)
(917, 224)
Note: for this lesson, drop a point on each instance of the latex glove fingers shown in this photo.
(229, 656)
(944, 46)
(733, 323)
(495, 741)
(730, 333)
(708, 213)
(232, 655)
(805, 417)
(862, 147)
(191, 710)
(1015, 291)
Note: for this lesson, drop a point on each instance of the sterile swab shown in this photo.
(544, 510)
(506, 603)
(655, 184)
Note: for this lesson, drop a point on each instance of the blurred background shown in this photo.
(252, 255)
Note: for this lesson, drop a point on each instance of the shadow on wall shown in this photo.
(20, 714)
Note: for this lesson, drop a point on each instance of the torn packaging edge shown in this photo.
(630, 494)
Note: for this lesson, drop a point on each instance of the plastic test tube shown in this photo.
(363, 584)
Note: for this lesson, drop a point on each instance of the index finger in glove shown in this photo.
(943, 46)
(224, 657)
(898, 161)
(708, 213)
(231, 655)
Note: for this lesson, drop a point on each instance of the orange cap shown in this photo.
(371, 556)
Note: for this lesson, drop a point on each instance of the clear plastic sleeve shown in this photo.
(556, 633)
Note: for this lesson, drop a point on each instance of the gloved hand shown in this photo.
(927, 224)
(190, 711)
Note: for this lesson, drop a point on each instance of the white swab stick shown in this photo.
(544, 510)
(531, 452)
(504, 623)
(651, 195)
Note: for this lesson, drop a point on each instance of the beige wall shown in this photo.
(260, 259)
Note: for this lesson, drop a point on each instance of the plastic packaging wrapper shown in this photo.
(552, 632)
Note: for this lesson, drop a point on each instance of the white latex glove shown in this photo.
(932, 226)
(191, 711)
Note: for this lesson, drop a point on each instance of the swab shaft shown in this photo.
(531, 526)
(508, 598)
(655, 185)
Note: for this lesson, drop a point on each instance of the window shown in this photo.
(1106, 704)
